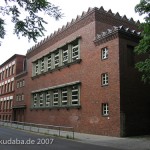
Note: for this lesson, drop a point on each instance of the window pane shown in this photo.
(42, 65)
(75, 52)
(105, 109)
(41, 99)
(49, 62)
(75, 95)
(47, 98)
(105, 79)
(55, 98)
(64, 96)
(57, 59)
(104, 53)
(35, 100)
(65, 56)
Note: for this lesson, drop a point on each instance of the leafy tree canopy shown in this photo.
(25, 15)
(143, 8)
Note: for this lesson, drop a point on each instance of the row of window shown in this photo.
(8, 87)
(20, 83)
(7, 72)
(65, 55)
(5, 105)
(5, 117)
(20, 97)
(60, 97)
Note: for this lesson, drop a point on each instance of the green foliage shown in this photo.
(143, 8)
(25, 15)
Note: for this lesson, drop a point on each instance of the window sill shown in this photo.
(57, 69)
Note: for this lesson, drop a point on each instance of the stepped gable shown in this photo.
(115, 29)
(73, 21)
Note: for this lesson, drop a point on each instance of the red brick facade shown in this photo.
(83, 76)
(8, 71)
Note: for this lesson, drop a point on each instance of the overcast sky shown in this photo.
(71, 8)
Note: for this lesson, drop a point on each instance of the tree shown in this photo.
(25, 15)
(143, 48)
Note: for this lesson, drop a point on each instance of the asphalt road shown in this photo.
(12, 139)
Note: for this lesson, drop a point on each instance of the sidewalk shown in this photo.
(134, 143)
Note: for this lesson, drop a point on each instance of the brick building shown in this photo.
(83, 76)
(8, 71)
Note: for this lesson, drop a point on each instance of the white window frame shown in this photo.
(42, 65)
(65, 56)
(49, 62)
(74, 89)
(22, 97)
(104, 53)
(48, 99)
(56, 59)
(75, 49)
(36, 68)
(64, 94)
(23, 82)
(105, 109)
(104, 79)
(55, 98)
(35, 100)
(41, 99)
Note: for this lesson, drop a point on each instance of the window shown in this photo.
(23, 83)
(17, 85)
(6, 73)
(49, 62)
(36, 68)
(47, 99)
(35, 96)
(9, 70)
(75, 52)
(12, 85)
(41, 99)
(13, 69)
(74, 95)
(20, 83)
(42, 65)
(56, 59)
(55, 98)
(17, 98)
(104, 79)
(65, 56)
(105, 109)
(64, 97)
(104, 53)
(22, 97)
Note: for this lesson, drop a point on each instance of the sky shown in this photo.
(70, 8)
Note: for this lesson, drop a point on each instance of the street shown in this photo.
(12, 139)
